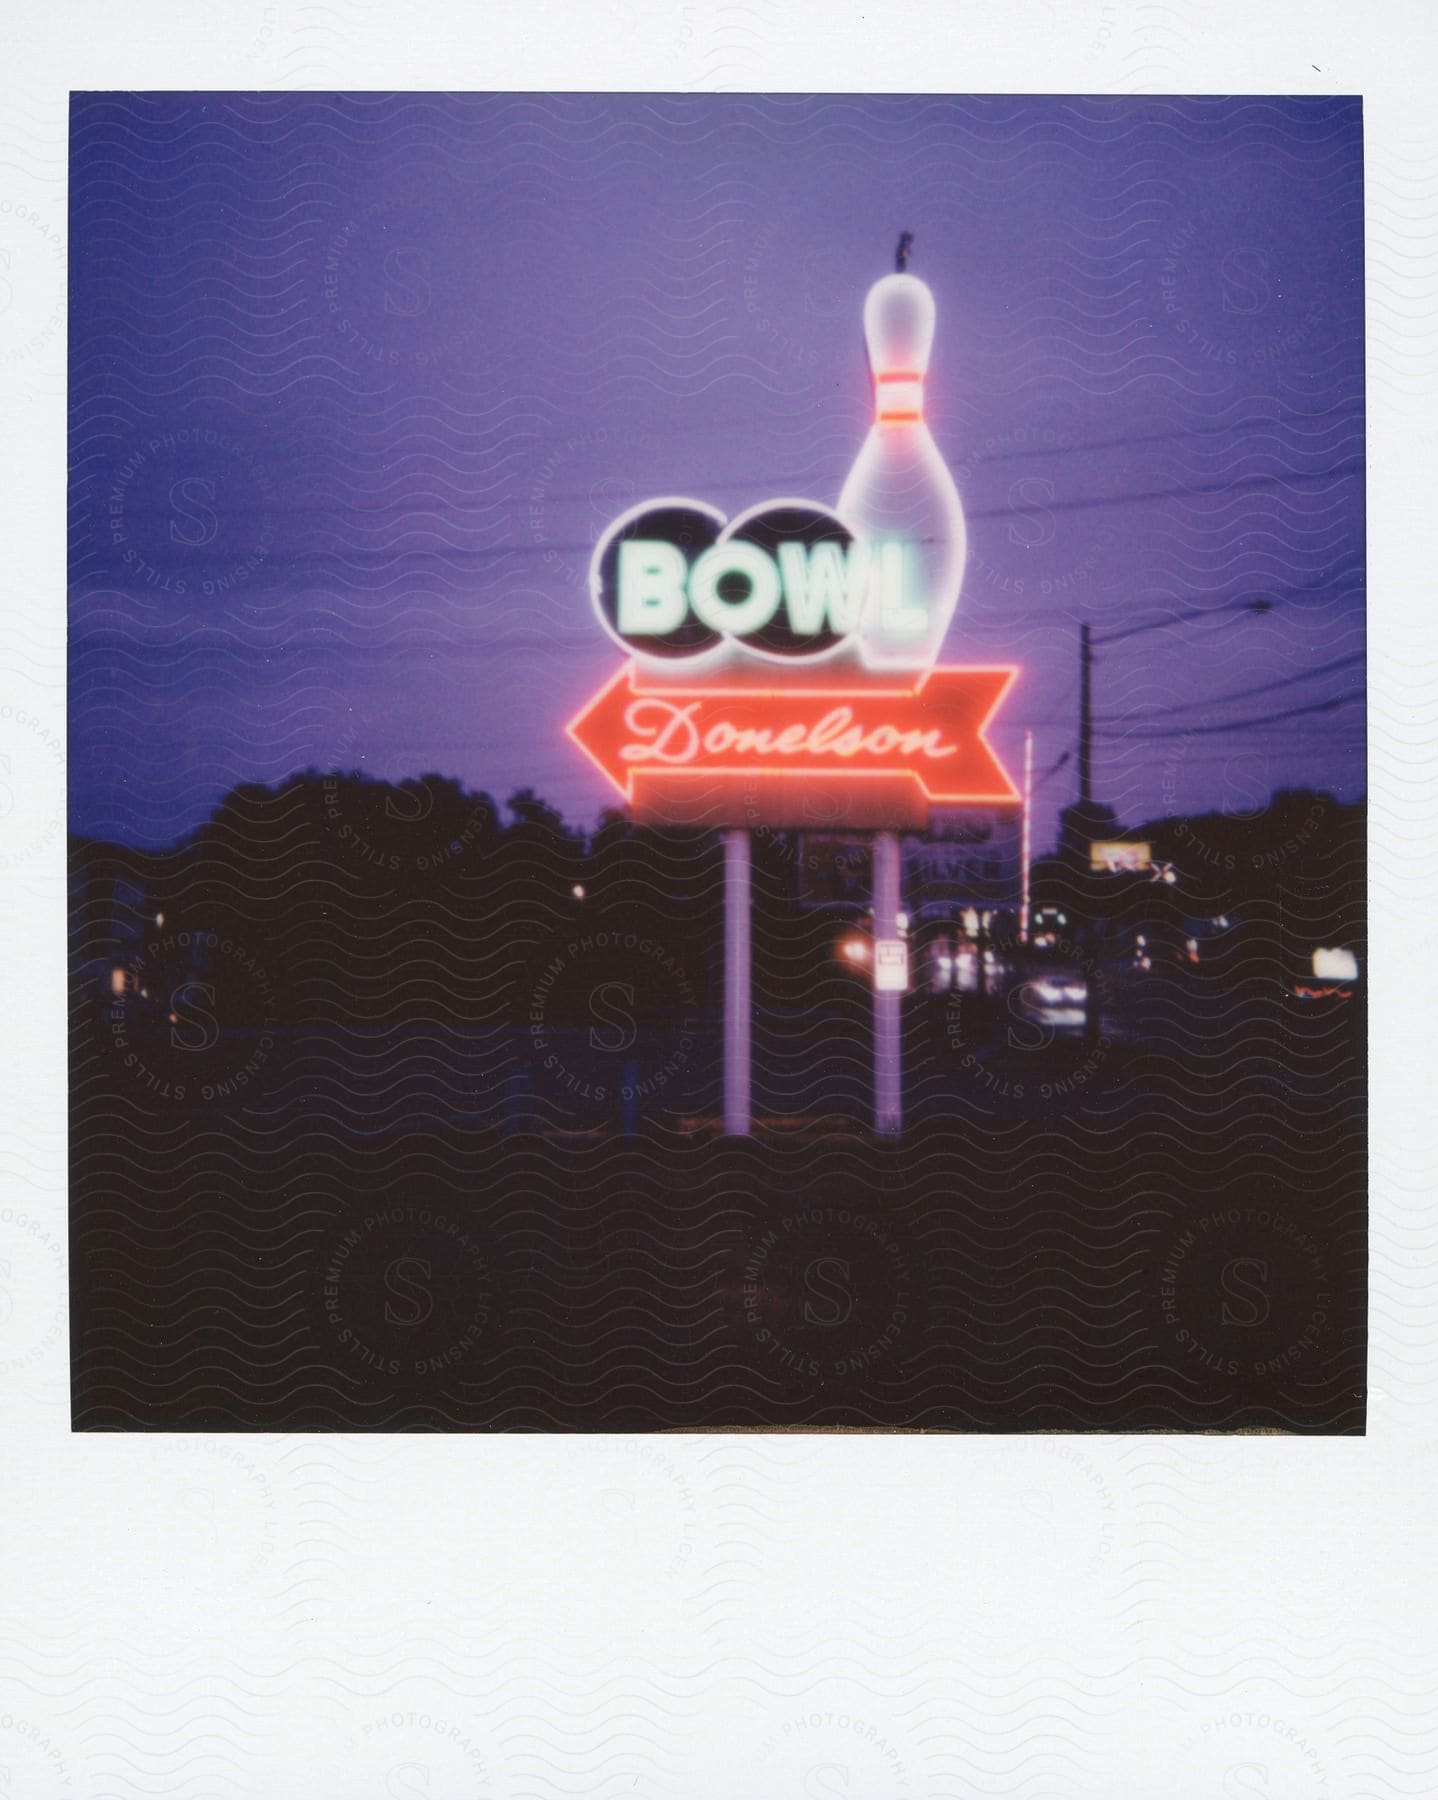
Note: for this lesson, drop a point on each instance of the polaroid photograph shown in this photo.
(716, 798)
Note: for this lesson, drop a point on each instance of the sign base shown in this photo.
(782, 803)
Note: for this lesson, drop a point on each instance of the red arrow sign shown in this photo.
(931, 733)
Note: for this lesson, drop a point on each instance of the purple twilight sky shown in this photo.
(356, 381)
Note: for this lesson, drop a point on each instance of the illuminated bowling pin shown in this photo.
(900, 489)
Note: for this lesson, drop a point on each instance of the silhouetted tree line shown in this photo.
(320, 863)
(325, 866)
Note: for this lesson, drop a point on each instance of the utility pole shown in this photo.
(1086, 643)
(888, 1005)
(1085, 745)
(1025, 849)
(738, 1008)
(1093, 1023)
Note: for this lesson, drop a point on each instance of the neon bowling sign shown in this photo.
(798, 643)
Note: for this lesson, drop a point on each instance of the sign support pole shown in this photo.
(888, 1070)
(737, 1008)
(1024, 851)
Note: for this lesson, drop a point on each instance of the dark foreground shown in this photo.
(1071, 1239)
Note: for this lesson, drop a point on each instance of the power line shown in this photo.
(970, 462)
(1240, 484)
(1248, 693)
(1254, 604)
(1237, 725)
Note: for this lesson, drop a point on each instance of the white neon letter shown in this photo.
(739, 617)
(651, 587)
(897, 613)
(820, 583)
